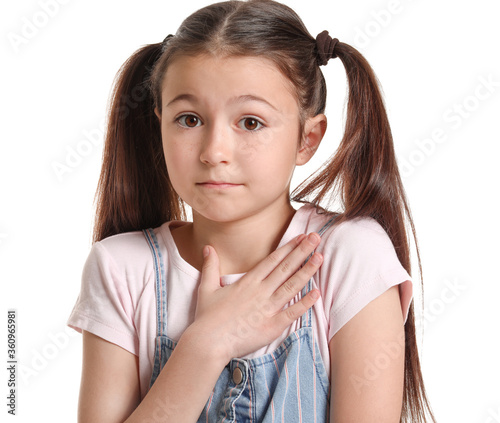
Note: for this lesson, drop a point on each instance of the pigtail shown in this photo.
(364, 175)
(134, 191)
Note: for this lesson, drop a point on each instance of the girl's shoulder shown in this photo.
(354, 231)
(359, 264)
(127, 256)
(124, 248)
(361, 241)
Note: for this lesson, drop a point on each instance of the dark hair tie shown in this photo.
(149, 68)
(326, 46)
(165, 42)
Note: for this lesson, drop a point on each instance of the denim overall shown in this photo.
(287, 385)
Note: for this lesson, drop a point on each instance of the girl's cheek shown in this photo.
(259, 142)
(248, 151)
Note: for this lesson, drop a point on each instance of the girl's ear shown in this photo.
(314, 130)
(157, 113)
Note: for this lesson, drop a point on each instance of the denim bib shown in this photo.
(287, 385)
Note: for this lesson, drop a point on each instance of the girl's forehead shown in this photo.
(227, 75)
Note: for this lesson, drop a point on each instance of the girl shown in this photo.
(312, 318)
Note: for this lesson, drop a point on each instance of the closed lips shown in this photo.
(218, 183)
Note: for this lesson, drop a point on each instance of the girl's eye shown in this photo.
(250, 124)
(189, 121)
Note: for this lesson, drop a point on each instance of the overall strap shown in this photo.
(327, 225)
(160, 284)
(306, 319)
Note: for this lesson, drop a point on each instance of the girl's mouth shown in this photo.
(217, 184)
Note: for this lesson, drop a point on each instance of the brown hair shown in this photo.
(134, 190)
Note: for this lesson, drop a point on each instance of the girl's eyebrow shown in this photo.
(240, 99)
(180, 97)
(250, 97)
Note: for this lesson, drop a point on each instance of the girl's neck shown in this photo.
(240, 245)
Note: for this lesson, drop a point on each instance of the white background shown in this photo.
(432, 58)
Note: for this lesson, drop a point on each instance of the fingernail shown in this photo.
(206, 251)
(313, 238)
(300, 238)
(315, 294)
(316, 259)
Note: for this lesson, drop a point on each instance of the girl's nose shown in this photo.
(216, 147)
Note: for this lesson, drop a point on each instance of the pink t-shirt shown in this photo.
(117, 297)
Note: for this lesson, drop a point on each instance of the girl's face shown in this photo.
(230, 130)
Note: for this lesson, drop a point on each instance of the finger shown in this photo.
(286, 317)
(266, 266)
(296, 282)
(291, 263)
(210, 273)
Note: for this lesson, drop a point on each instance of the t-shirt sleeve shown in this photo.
(104, 306)
(360, 264)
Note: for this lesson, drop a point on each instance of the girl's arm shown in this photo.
(109, 391)
(367, 364)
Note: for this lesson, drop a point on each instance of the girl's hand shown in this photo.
(248, 314)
